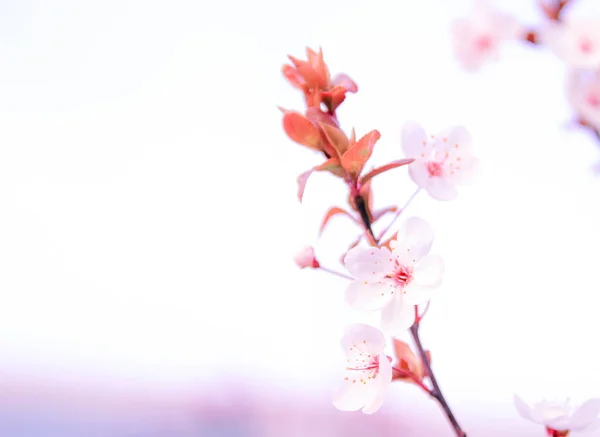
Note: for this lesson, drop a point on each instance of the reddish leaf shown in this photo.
(345, 81)
(301, 130)
(335, 137)
(381, 212)
(293, 76)
(318, 64)
(359, 153)
(353, 136)
(335, 97)
(384, 168)
(333, 212)
(302, 180)
(408, 361)
(310, 75)
(332, 165)
(316, 115)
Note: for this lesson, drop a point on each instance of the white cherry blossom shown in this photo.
(368, 370)
(441, 162)
(561, 416)
(397, 280)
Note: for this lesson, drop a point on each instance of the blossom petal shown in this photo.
(369, 339)
(397, 316)
(441, 189)
(467, 173)
(429, 270)
(418, 173)
(523, 408)
(414, 139)
(383, 380)
(369, 296)
(586, 417)
(459, 136)
(351, 396)
(413, 241)
(374, 405)
(371, 264)
(419, 294)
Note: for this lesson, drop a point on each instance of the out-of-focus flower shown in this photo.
(477, 37)
(559, 417)
(306, 258)
(408, 362)
(397, 280)
(441, 162)
(583, 93)
(313, 78)
(576, 41)
(368, 370)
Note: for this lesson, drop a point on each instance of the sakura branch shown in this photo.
(478, 39)
(394, 276)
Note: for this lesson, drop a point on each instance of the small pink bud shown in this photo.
(306, 258)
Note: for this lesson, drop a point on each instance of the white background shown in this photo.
(148, 211)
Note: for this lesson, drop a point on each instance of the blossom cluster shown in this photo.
(478, 38)
(395, 276)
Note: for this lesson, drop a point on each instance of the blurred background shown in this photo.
(148, 220)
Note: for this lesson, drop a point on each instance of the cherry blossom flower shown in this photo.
(583, 93)
(477, 37)
(441, 162)
(559, 417)
(395, 280)
(368, 370)
(575, 41)
(306, 258)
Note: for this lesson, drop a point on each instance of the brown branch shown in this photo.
(435, 392)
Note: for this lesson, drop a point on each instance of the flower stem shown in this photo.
(364, 215)
(410, 376)
(400, 211)
(435, 392)
(333, 272)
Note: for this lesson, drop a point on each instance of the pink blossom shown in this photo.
(477, 37)
(583, 92)
(575, 41)
(397, 280)
(368, 370)
(559, 416)
(441, 162)
(306, 258)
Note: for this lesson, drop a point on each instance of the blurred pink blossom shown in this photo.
(575, 41)
(477, 37)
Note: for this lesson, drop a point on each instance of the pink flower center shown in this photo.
(586, 46)
(434, 168)
(483, 43)
(594, 100)
(402, 276)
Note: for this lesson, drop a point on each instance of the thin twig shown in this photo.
(388, 227)
(333, 272)
(435, 392)
(414, 379)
